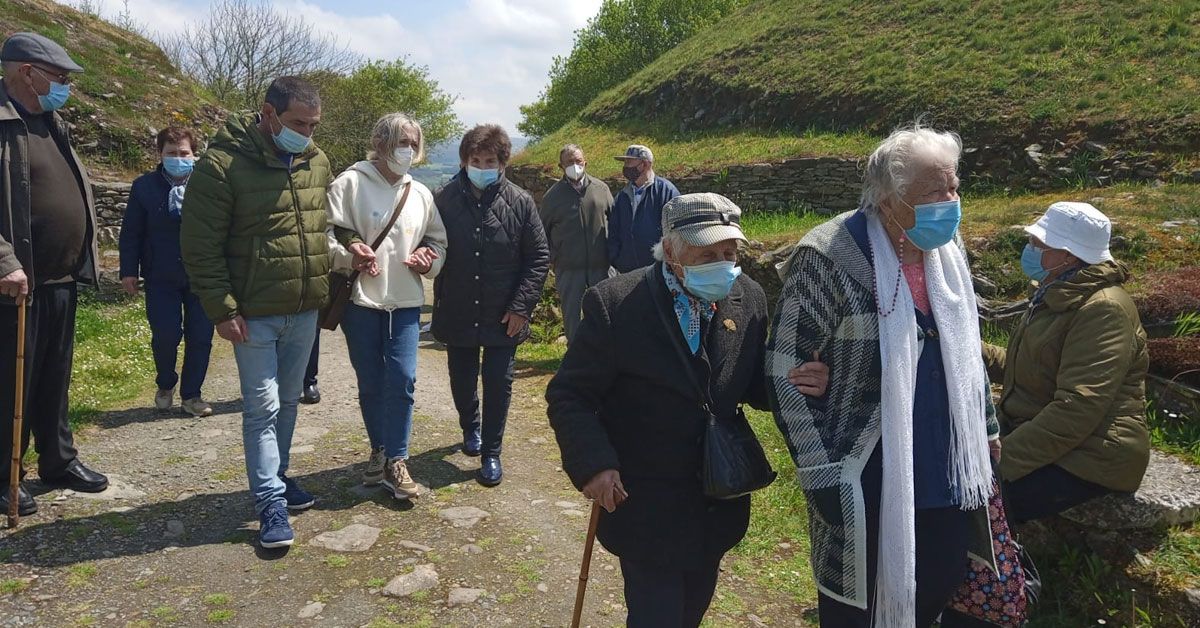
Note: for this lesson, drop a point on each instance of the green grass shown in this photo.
(1018, 69)
(540, 356)
(12, 585)
(81, 574)
(216, 599)
(220, 616)
(113, 361)
(1174, 435)
(784, 225)
(676, 153)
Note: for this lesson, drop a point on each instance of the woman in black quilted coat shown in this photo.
(496, 263)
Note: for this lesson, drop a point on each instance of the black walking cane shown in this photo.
(587, 564)
(14, 473)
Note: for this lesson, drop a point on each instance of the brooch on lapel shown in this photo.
(730, 325)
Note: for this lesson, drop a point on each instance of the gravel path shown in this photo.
(172, 541)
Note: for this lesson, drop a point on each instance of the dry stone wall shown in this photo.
(825, 184)
(111, 200)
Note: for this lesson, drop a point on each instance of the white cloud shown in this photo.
(493, 54)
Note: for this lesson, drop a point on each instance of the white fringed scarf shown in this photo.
(952, 300)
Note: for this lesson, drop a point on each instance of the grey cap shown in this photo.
(35, 48)
(703, 219)
(636, 151)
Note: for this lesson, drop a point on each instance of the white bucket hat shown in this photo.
(1077, 228)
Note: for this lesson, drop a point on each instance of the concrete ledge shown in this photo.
(1169, 496)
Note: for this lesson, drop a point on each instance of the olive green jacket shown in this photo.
(253, 233)
(1075, 383)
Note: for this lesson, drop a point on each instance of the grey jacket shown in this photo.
(16, 244)
(576, 224)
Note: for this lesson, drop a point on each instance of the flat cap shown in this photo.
(35, 48)
(703, 219)
(636, 151)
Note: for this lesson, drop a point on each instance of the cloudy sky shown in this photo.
(493, 54)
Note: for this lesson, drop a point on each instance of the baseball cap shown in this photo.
(703, 219)
(1078, 228)
(636, 151)
(35, 48)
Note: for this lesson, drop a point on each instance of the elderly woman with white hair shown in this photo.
(894, 458)
(1073, 409)
(378, 201)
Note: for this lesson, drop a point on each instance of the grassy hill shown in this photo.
(1120, 73)
(128, 90)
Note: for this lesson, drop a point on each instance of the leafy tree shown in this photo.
(351, 105)
(620, 40)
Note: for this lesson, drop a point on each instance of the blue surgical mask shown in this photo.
(178, 167)
(289, 140)
(482, 178)
(710, 282)
(936, 224)
(56, 98)
(1031, 263)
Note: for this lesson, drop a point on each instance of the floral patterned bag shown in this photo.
(1004, 599)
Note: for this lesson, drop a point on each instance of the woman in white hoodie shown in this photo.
(382, 322)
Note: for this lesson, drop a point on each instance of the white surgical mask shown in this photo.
(401, 160)
(574, 172)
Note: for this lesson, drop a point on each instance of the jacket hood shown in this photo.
(372, 174)
(1072, 293)
(240, 134)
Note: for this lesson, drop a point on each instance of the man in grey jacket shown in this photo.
(575, 215)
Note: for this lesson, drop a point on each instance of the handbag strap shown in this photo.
(687, 361)
(387, 229)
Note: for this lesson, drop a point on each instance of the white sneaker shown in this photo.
(373, 474)
(197, 407)
(164, 399)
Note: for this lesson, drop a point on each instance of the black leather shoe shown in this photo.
(25, 504)
(78, 478)
(471, 444)
(311, 395)
(490, 472)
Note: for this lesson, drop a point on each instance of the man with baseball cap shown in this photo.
(635, 224)
(47, 246)
(629, 420)
(1073, 409)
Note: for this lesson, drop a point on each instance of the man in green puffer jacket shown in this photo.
(1073, 410)
(254, 246)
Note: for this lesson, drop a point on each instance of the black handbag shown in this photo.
(734, 461)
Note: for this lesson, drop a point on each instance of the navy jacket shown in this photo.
(631, 237)
(150, 234)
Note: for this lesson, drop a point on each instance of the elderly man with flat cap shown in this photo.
(629, 415)
(47, 247)
(635, 224)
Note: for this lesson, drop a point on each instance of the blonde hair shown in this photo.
(390, 130)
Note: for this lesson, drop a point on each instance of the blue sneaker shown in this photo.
(274, 529)
(296, 497)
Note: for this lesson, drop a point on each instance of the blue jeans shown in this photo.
(383, 351)
(175, 315)
(271, 369)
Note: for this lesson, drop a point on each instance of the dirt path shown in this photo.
(172, 542)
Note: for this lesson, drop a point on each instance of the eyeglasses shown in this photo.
(63, 79)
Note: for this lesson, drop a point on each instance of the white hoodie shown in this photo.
(360, 199)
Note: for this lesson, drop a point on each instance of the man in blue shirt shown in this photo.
(635, 224)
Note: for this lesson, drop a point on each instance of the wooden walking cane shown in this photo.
(587, 564)
(14, 471)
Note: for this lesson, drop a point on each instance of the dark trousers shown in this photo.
(175, 316)
(464, 366)
(667, 598)
(310, 373)
(943, 537)
(49, 350)
(1047, 491)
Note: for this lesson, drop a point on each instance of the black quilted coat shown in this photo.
(496, 262)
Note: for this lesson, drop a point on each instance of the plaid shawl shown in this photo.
(827, 304)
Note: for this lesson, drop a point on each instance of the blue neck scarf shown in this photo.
(689, 310)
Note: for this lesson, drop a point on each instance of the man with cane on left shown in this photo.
(47, 247)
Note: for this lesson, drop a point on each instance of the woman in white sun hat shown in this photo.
(1073, 410)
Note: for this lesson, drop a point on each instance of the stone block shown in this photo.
(1169, 496)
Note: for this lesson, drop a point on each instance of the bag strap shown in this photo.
(387, 229)
(687, 361)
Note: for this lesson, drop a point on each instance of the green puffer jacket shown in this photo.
(1075, 383)
(253, 233)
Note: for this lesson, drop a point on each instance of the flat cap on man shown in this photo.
(636, 151)
(35, 48)
(703, 219)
